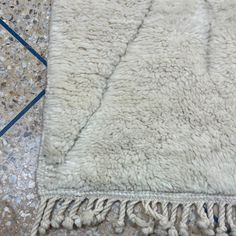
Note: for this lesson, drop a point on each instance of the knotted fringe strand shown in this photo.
(152, 216)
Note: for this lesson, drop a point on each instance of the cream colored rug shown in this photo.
(140, 111)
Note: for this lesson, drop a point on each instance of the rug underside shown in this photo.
(140, 113)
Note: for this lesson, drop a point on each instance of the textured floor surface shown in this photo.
(22, 78)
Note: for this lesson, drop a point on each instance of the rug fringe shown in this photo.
(159, 217)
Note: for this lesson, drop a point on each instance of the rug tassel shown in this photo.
(39, 216)
(172, 231)
(59, 216)
(203, 222)
(120, 224)
(147, 227)
(183, 226)
(88, 215)
(107, 207)
(161, 217)
(221, 230)
(210, 214)
(230, 220)
(45, 221)
(73, 218)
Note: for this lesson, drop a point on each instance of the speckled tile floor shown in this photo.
(22, 77)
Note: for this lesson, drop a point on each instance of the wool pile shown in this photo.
(140, 111)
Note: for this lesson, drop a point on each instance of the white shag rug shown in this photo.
(140, 110)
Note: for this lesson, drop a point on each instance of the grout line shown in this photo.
(22, 112)
(39, 96)
(23, 42)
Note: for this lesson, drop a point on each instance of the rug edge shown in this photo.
(96, 208)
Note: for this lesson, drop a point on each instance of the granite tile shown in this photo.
(22, 77)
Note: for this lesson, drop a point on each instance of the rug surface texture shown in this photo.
(140, 111)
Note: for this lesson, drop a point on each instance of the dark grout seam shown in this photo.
(40, 95)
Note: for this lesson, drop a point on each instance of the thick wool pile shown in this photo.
(140, 111)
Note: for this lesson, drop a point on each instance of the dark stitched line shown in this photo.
(209, 9)
(22, 41)
(109, 77)
(39, 96)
